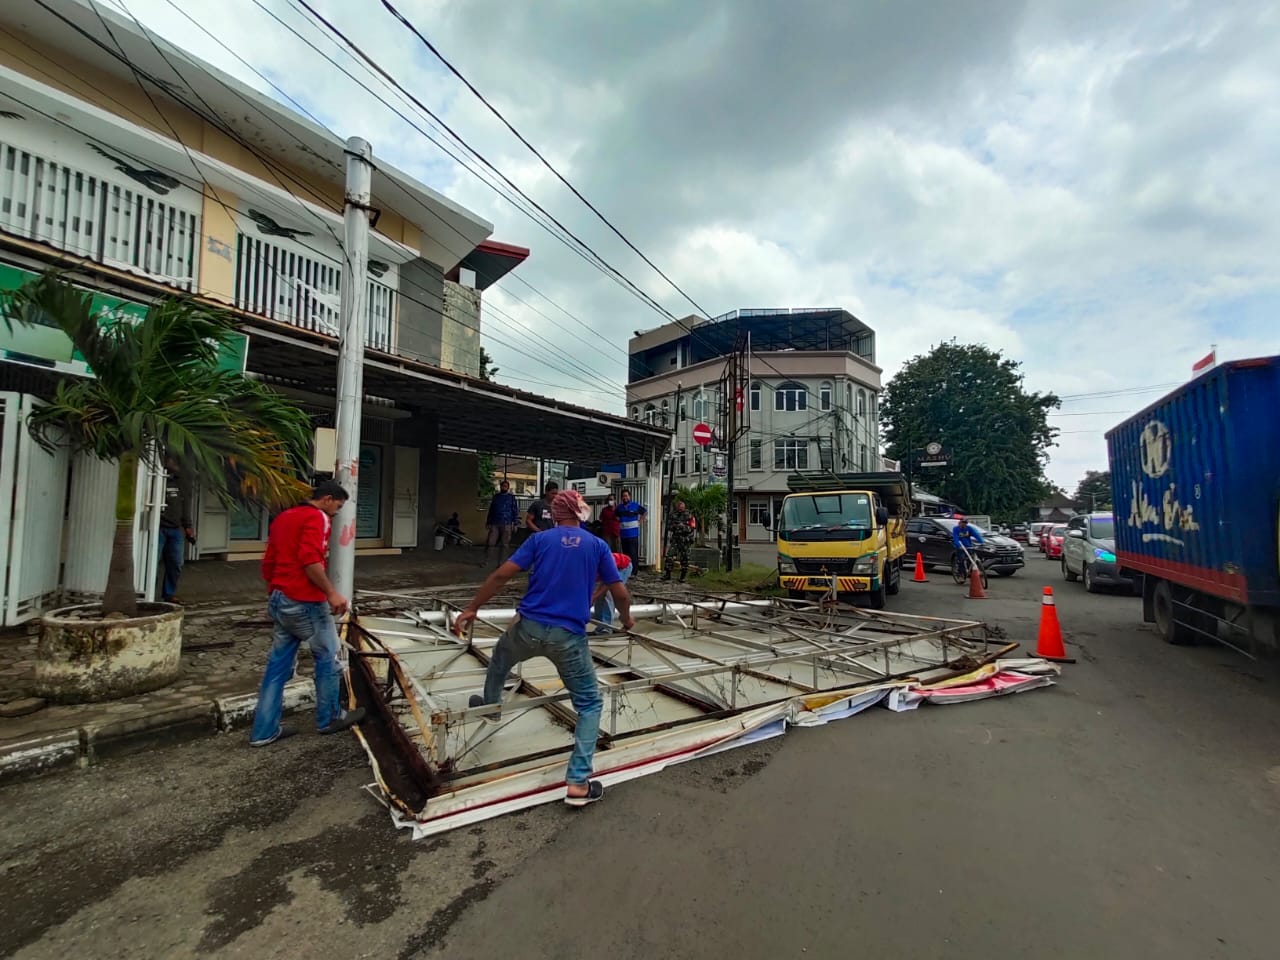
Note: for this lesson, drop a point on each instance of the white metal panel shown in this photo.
(91, 524)
(404, 498)
(213, 524)
(35, 537)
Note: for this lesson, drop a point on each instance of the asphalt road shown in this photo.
(1130, 810)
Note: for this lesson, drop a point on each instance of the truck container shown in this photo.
(1195, 480)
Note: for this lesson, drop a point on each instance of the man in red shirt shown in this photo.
(302, 604)
(610, 525)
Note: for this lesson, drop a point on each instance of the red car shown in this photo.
(1053, 541)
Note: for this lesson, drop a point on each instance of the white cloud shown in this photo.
(1086, 186)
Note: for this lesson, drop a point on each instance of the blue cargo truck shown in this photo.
(1195, 479)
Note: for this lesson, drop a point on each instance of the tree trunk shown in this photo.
(121, 595)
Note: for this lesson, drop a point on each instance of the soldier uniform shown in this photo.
(679, 540)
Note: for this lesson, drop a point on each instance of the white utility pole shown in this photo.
(351, 333)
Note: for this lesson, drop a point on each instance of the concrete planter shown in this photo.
(81, 658)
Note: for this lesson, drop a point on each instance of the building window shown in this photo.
(791, 396)
(682, 464)
(862, 402)
(697, 461)
(682, 412)
(871, 399)
(757, 459)
(758, 514)
(664, 420)
(635, 413)
(848, 397)
(824, 397)
(650, 413)
(699, 407)
(862, 458)
(755, 395)
(826, 454)
(791, 454)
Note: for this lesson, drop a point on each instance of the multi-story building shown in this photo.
(142, 172)
(811, 401)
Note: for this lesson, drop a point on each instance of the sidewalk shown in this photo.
(225, 639)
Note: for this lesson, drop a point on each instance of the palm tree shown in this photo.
(155, 392)
(706, 503)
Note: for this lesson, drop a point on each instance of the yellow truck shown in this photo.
(843, 534)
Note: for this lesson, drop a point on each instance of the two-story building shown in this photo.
(142, 172)
(811, 404)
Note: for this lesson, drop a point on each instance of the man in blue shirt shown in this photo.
(629, 514)
(564, 564)
(504, 514)
(963, 535)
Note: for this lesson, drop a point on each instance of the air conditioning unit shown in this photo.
(608, 479)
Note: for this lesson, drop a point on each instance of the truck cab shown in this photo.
(843, 534)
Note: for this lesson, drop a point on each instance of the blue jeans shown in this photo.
(298, 621)
(173, 542)
(526, 639)
(605, 608)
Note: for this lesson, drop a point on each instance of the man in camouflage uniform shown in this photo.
(679, 540)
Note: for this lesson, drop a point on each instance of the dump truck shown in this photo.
(843, 534)
(1195, 479)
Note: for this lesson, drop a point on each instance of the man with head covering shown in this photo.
(564, 564)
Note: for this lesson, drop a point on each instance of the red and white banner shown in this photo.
(1205, 362)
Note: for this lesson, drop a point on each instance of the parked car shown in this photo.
(1053, 541)
(1020, 532)
(1035, 534)
(931, 536)
(1089, 553)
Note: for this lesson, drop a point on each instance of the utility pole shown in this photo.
(350, 401)
(737, 421)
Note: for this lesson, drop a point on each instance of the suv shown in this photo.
(1089, 553)
(931, 537)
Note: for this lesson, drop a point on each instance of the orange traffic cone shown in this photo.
(975, 585)
(919, 577)
(1049, 645)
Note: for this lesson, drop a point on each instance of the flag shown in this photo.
(1205, 362)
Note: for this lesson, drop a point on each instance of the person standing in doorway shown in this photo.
(610, 528)
(539, 517)
(503, 516)
(176, 530)
(302, 603)
(630, 514)
(564, 564)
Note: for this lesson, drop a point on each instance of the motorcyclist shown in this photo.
(964, 538)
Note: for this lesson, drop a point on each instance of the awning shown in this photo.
(473, 414)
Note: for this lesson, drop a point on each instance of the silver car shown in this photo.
(1089, 553)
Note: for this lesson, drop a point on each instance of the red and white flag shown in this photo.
(1205, 362)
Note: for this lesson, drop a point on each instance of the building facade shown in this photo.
(810, 402)
(141, 172)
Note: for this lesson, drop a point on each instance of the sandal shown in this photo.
(595, 791)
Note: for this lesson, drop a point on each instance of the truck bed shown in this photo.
(1195, 478)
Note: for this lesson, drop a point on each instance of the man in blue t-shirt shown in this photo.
(564, 564)
(629, 514)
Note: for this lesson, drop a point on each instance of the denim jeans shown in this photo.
(173, 543)
(526, 639)
(605, 608)
(296, 622)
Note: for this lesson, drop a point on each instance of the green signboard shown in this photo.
(50, 343)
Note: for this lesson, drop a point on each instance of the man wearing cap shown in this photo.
(564, 564)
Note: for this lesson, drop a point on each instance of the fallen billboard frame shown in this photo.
(697, 674)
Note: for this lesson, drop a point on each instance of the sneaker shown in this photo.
(601, 631)
(348, 720)
(282, 734)
(478, 701)
(595, 791)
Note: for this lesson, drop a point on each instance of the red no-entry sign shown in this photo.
(702, 435)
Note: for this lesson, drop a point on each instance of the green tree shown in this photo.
(487, 370)
(971, 399)
(1093, 492)
(707, 504)
(155, 391)
(485, 469)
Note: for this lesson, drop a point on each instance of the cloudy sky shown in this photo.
(1088, 186)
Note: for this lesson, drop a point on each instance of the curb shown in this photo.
(94, 742)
